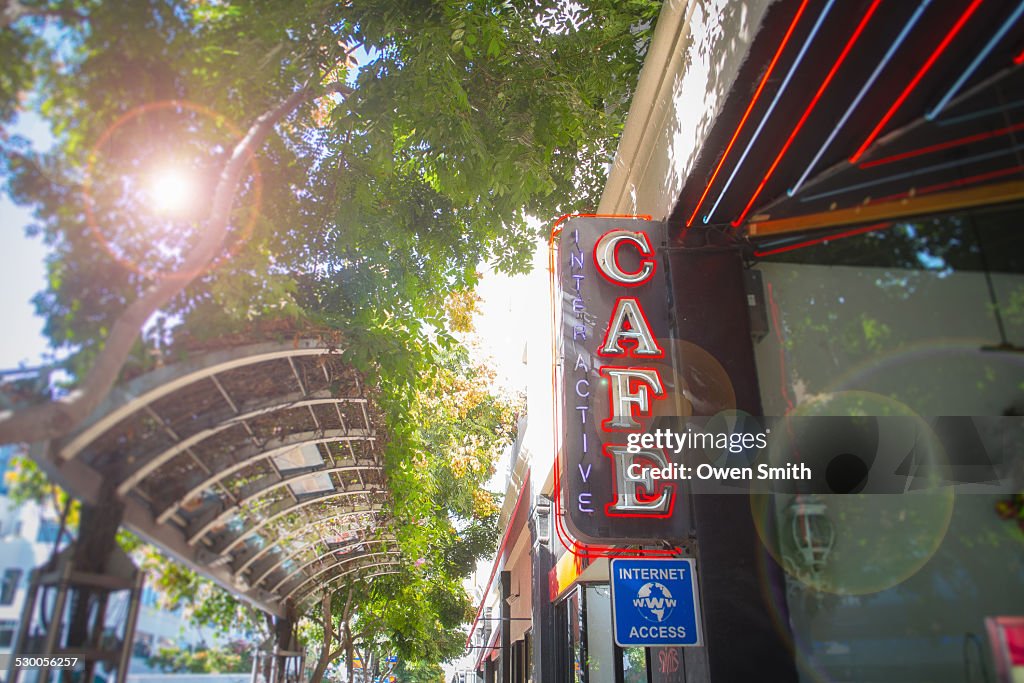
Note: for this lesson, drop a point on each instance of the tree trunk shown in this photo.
(57, 418)
(327, 655)
(321, 667)
(325, 647)
(349, 653)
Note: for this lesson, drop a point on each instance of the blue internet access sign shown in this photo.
(654, 602)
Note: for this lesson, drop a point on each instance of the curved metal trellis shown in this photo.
(326, 584)
(259, 454)
(247, 533)
(288, 596)
(337, 563)
(296, 531)
(256, 581)
(235, 508)
(215, 454)
(290, 402)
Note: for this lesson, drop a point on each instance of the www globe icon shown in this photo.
(654, 602)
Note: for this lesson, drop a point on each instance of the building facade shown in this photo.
(841, 186)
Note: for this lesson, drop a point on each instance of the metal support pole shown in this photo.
(506, 630)
(129, 628)
(26, 621)
(95, 636)
(53, 636)
(543, 620)
(255, 665)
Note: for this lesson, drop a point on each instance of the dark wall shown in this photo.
(741, 641)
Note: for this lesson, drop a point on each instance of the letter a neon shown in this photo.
(629, 323)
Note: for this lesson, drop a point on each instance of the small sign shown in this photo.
(654, 602)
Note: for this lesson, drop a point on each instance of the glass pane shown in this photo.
(578, 673)
(906, 589)
(600, 648)
(908, 318)
(634, 665)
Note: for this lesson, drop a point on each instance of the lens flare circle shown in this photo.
(168, 189)
(879, 540)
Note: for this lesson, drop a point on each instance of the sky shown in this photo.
(506, 318)
(23, 273)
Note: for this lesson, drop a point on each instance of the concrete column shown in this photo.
(544, 654)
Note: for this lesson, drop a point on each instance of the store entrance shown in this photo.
(587, 652)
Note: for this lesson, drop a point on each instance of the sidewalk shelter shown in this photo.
(259, 466)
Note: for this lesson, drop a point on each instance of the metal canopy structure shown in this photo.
(259, 466)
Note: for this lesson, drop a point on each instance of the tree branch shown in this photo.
(328, 621)
(346, 613)
(57, 418)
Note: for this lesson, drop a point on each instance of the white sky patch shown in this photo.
(172, 190)
(512, 310)
(23, 273)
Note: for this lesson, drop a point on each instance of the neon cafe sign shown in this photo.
(615, 379)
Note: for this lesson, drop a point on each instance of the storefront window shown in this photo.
(8, 629)
(9, 585)
(600, 647)
(574, 638)
(634, 665)
(528, 654)
(919, 317)
(905, 313)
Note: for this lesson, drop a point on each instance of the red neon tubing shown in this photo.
(807, 112)
(750, 107)
(939, 146)
(828, 238)
(1019, 59)
(914, 81)
(959, 182)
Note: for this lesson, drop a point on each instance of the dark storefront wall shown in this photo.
(520, 610)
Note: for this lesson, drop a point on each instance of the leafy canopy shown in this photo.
(365, 210)
(368, 211)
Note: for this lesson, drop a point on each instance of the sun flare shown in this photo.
(171, 191)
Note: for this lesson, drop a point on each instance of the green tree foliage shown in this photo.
(233, 657)
(419, 672)
(202, 601)
(444, 439)
(367, 210)
(26, 482)
(374, 207)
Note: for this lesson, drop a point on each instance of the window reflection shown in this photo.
(921, 316)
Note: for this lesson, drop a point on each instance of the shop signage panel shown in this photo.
(654, 602)
(616, 379)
